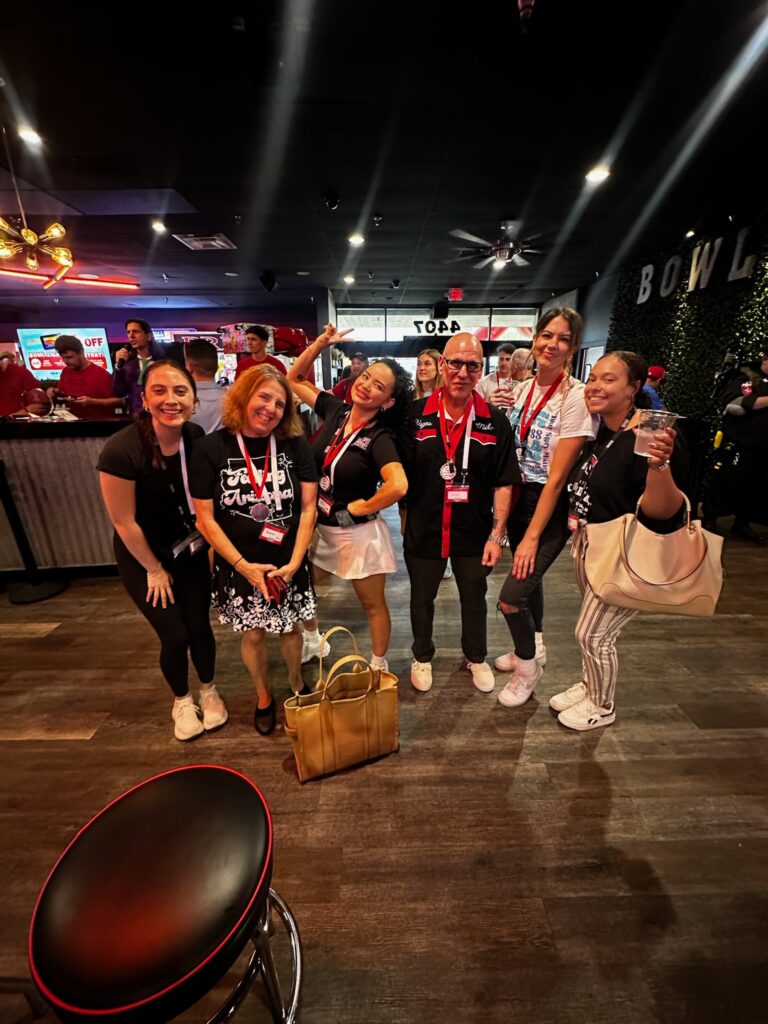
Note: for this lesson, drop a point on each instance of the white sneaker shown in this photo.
(187, 725)
(447, 571)
(310, 648)
(482, 676)
(213, 709)
(508, 662)
(421, 675)
(382, 664)
(567, 698)
(521, 683)
(587, 715)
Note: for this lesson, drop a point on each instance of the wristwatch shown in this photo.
(659, 469)
(495, 538)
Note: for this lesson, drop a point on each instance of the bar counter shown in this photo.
(50, 465)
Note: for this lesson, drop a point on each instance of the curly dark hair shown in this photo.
(398, 418)
(637, 371)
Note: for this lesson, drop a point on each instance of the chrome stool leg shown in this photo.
(262, 962)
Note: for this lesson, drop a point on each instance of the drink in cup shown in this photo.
(652, 421)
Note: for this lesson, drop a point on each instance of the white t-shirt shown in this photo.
(564, 415)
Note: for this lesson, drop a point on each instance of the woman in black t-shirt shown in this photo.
(162, 559)
(359, 447)
(255, 486)
(607, 482)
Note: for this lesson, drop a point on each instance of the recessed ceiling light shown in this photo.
(89, 277)
(349, 279)
(689, 234)
(159, 227)
(231, 273)
(598, 174)
(356, 239)
(302, 273)
(30, 136)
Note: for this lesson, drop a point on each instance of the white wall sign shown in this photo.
(703, 259)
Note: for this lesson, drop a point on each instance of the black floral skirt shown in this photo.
(244, 607)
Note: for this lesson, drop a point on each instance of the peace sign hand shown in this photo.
(331, 336)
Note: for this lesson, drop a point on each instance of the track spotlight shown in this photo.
(332, 200)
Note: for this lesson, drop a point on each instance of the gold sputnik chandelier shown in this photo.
(23, 241)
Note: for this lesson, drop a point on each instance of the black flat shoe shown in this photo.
(264, 719)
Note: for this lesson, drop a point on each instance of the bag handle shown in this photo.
(687, 510)
(666, 583)
(346, 660)
(326, 635)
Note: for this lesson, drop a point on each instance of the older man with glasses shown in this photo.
(460, 481)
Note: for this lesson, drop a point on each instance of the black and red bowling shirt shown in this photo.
(492, 464)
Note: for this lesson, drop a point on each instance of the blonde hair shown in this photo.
(434, 355)
(235, 404)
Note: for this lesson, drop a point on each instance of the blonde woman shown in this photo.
(428, 377)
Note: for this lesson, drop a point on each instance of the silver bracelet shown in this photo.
(496, 538)
(659, 469)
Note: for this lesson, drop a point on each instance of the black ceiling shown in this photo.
(247, 117)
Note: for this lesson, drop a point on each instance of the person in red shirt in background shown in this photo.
(15, 381)
(357, 364)
(256, 339)
(88, 386)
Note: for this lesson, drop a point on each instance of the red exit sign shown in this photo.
(455, 294)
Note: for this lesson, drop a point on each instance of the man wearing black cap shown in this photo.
(357, 364)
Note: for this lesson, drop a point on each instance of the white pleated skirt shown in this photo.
(354, 552)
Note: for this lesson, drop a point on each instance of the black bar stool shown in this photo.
(156, 897)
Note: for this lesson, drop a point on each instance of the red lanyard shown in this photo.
(258, 491)
(524, 425)
(339, 442)
(457, 428)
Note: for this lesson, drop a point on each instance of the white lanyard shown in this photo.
(467, 431)
(184, 476)
(350, 438)
(273, 464)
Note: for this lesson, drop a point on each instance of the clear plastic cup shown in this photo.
(651, 422)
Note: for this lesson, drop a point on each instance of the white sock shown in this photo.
(186, 699)
(312, 634)
(206, 688)
(377, 662)
(539, 639)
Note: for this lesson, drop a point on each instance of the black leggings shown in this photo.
(528, 595)
(184, 626)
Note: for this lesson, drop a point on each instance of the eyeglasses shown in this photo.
(470, 367)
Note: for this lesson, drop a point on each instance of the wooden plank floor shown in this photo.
(499, 868)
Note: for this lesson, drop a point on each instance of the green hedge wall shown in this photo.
(689, 333)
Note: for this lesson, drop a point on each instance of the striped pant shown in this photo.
(597, 631)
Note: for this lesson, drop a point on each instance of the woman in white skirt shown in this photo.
(358, 452)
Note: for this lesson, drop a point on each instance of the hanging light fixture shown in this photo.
(26, 242)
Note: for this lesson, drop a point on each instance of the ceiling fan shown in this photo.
(509, 248)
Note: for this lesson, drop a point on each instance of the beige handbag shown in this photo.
(630, 566)
(351, 717)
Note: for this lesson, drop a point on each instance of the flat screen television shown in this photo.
(38, 346)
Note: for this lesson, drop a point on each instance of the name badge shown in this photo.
(455, 493)
(325, 504)
(520, 454)
(573, 522)
(273, 534)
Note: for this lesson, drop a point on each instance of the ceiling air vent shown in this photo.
(217, 241)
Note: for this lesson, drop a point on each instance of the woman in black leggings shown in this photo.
(162, 559)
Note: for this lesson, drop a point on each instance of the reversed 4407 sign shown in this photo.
(437, 326)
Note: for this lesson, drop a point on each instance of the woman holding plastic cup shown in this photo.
(608, 480)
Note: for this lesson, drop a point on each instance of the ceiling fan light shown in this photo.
(53, 233)
(498, 263)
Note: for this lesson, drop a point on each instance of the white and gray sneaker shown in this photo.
(587, 715)
(508, 662)
(521, 683)
(567, 698)
(213, 709)
(421, 675)
(310, 648)
(186, 723)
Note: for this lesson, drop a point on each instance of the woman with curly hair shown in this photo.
(428, 377)
(255, 486)
(359, 454)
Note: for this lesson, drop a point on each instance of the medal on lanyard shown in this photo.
(448, 469)
(334, 452)
(260, 510)
(458, 493)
